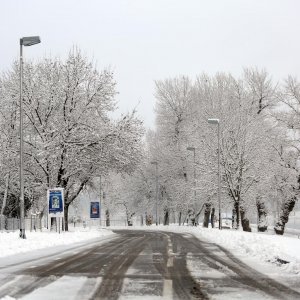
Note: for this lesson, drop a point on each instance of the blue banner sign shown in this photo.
(95, 210)
(55, 201)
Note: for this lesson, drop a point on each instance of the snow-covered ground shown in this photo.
(264, 247)
(263, 252)
(252, 248)
(11, 244)
(259, 247)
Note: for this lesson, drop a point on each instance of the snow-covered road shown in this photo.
(149, 264)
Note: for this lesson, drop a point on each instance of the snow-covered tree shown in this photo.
(9, 140)
(287, 115)
(183, 108)
(173, 114)
(69, 135)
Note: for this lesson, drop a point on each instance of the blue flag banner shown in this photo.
(55, 201)
(95, 210)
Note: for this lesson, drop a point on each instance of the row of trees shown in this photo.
(70, 135)
(71, 138)
(259, 149)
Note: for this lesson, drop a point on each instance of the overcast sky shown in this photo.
(147, 40)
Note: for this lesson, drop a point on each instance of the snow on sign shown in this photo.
(95, 210)
(56, 201)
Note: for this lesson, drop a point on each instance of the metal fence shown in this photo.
(35, 223)
(13, 224)
(103, 223)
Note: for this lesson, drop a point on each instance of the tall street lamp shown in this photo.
(156, 187)
(25, 41)
(217, 122)
(194, 151)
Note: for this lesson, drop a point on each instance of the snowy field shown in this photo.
(11, 244)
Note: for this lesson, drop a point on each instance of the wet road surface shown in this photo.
(140, 265)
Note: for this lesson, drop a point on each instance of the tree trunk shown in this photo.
(2, 222)
(40, 220)
(129, 219)
(185, 219)
(107, 218)
(206, 214)
(234, 224)
(179, 219)
(66, 210)
(244, 220)
(237, 214)
(198, 214)
(166, 216)
(262, 214)
(5, 194)
(146, 219)
(212, 217)
(286, 208)
(191, 216)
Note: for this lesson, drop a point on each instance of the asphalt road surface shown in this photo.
(139, 265)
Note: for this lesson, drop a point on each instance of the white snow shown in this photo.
(11, 244)
(259, 250)
(264, 247)
(66, 287)
(257, 246)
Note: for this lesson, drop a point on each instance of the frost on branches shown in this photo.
(288, 150)
(69, 135)
(249, 136)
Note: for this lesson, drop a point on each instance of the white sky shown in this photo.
(146, 40)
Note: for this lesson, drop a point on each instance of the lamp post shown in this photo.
(217, 122)
(156, 187)
(25, 41)
(194, 151)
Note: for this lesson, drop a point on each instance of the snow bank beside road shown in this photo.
(260, 246)
(11, 244)
(268, 248)
(264, 247)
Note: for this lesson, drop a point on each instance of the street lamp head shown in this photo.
(30, 40)
(213, 121)
(190, 148)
